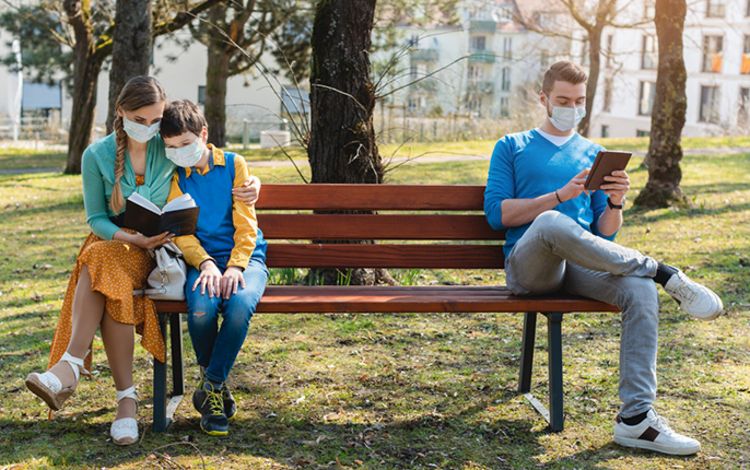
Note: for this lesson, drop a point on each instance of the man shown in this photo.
(559, 237)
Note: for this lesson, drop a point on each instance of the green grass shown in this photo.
(414, 391)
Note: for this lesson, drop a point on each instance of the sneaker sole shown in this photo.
(125, 442)
(648, 445)
(37, 388)
(214, 433)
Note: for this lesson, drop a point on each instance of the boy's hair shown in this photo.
(563, 71)
(182, 116)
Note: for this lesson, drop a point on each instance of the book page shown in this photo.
(145, 203)
(183, 202)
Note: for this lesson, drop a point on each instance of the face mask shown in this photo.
(565, 118)
(188, 155)
(139, 132)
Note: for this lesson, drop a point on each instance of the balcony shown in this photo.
(484, 56)
(424, 55)
(428, 84)
(482, 26)
(481, 86)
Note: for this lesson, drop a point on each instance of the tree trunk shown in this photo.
(342, 146)
(217, 74)
(595, 48)
(342, 140)
(131, 48)
(668, 116)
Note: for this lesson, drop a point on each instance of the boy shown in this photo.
(227, 273)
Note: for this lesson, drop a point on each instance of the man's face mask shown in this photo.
(565, 118)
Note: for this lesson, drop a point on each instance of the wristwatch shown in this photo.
(612, 205)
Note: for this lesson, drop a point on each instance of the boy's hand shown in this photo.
(249, 191)
(230, 280)
(210, 278)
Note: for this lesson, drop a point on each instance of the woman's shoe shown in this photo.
(48, 387)
(124, 431)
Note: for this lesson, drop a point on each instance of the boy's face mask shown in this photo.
(188, 155)
(139, 132)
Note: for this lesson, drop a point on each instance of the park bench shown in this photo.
(449, 222)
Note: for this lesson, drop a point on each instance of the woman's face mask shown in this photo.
(188, 155)
(139, 132)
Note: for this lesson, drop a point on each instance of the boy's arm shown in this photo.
(244, 219)
(189, 244)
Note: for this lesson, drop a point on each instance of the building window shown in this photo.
(605, 131)
(642, 133)
(747, 8)
(713, 47)
(709, 111)
(610, 50)
(649, 54)
(507, 48)
(476, 73)
(745, 63)
(478, 43)
(504, 107)
(607, 95)
(585, 53)
(505, 80)
(715, 8)
(201, 95)
(743, 108)
(649, 9)
(646, 98)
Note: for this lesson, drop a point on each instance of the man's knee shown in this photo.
(639, 292)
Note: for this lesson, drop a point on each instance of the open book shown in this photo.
(178, 216)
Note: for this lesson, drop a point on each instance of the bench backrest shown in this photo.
(452, 215)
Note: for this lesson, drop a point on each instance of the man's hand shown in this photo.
(574, 187)
(617, 185)
(210, 278)
(230, 280)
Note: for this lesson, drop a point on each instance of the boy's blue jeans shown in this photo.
(216, 347)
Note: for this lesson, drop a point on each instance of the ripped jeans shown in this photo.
(216, 347)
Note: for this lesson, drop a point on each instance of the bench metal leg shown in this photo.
(527, 352)
(160, 384)
(175, 331)
(554, 346)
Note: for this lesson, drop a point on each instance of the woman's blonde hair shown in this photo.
(138, 92)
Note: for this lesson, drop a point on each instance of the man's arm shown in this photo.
(609, 220)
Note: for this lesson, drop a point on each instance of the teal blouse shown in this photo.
(98, 171)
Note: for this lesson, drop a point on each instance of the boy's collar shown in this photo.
(216, 158)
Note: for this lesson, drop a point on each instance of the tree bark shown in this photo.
(668, 115)
(595, 48)
(217, 74)
(131, 48)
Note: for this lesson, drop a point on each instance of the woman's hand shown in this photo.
(249, 191)
(617, 185)
(210, 278)
(230, 280)
(147, 243)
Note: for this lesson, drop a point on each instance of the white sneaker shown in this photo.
(697, 300)
(654, 433)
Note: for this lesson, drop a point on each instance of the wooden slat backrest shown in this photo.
(469, 225)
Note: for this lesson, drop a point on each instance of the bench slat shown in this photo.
(370, 197)
(376, 227)
(285, 255)
(379, 299)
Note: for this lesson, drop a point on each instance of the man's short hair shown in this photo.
(563, 71)
(182, 116)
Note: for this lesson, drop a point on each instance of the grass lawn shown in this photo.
(414, 391)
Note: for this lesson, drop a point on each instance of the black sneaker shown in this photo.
(230, 406)
(211, 407)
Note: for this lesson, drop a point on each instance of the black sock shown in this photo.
(633, 420)
(663, 273)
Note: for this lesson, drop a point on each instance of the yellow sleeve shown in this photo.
(244, 219)
(189, 244)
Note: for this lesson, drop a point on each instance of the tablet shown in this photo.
(606, 162)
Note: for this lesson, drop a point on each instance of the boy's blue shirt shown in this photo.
(526, 165)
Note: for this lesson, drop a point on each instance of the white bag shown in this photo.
(167, 280)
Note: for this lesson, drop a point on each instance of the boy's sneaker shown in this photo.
(208, 400)
(697, 300)
(230, 406)
(653, 433)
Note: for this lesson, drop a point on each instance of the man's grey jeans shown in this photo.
(556, 253)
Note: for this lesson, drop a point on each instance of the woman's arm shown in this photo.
(94, 198)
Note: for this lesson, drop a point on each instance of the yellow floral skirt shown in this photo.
(116, 268)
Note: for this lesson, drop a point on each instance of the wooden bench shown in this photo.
(454, 234)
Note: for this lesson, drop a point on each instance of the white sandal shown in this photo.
(48, 387)
(124, 431)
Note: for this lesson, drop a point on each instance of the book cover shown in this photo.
(179, 216)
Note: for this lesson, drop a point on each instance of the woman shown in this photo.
(114, 261)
